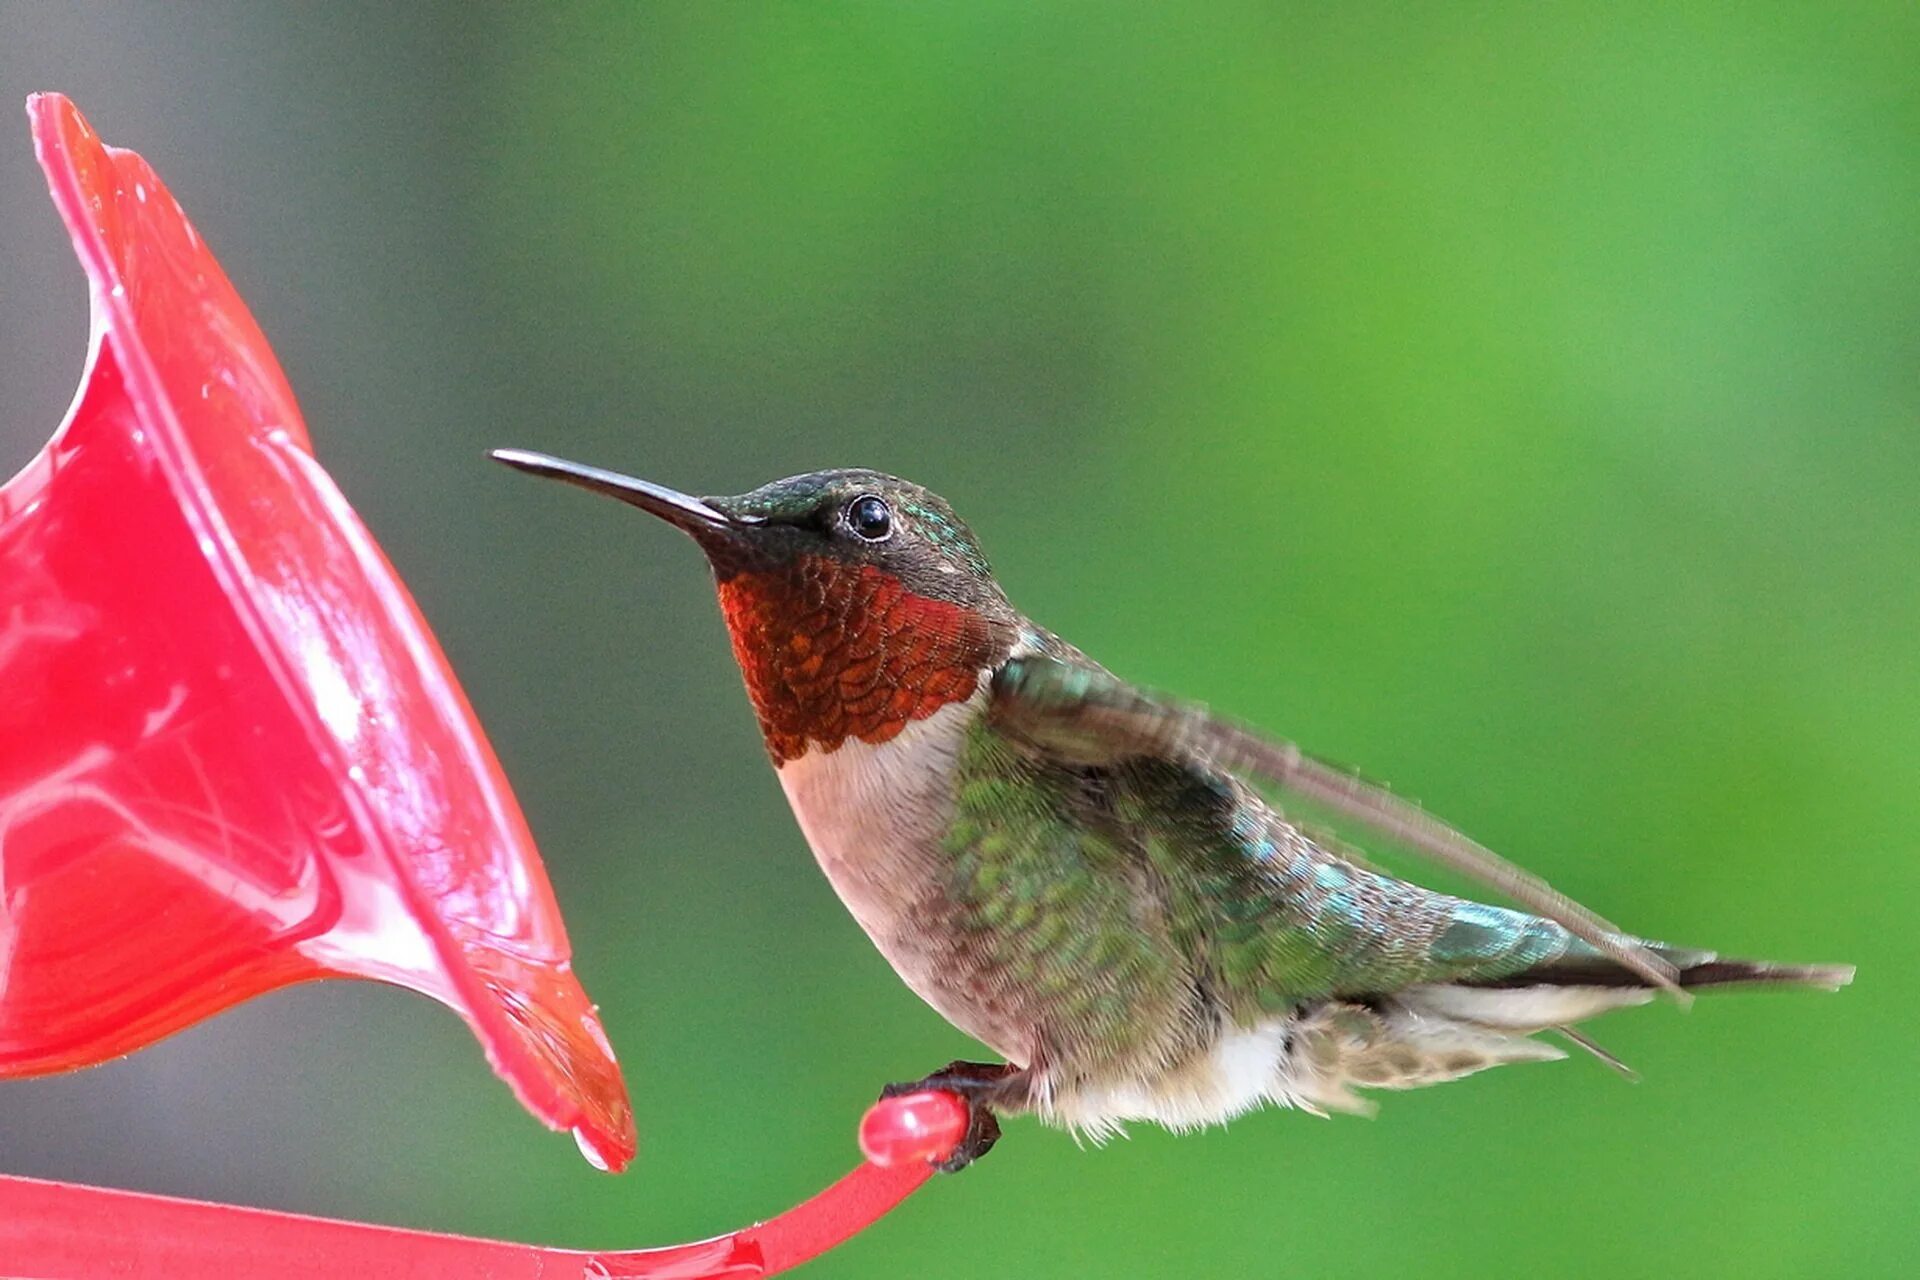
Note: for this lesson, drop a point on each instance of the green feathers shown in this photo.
(1127, 900)
(1054, 908)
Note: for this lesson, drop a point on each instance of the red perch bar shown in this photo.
(53, 1231)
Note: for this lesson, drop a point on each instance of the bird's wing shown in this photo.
(1080, 712)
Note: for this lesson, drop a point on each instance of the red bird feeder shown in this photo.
(232, 757)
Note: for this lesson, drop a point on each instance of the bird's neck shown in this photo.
(833, 649)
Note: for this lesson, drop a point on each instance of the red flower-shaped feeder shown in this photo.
(232, 757)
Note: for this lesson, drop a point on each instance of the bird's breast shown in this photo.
(876, 816)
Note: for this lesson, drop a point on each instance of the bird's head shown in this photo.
(857, 602)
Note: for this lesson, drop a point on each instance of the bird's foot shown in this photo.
(978, 1084)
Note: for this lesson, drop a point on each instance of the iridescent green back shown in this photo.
(1140, 903)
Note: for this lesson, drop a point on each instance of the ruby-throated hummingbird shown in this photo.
(1089, 878)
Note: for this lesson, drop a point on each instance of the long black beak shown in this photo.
(676, 508)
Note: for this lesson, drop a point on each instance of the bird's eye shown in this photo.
(870, 518)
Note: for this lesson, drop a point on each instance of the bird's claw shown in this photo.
(983, 1130)
(975, 1083)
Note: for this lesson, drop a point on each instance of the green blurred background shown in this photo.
(1520, 402)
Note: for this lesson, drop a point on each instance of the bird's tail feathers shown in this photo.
(1433, 1033)
(1693, 969)
(1336, 1047)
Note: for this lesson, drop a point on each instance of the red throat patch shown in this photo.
(832, 651)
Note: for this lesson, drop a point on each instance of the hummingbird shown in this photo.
(1098, 881)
